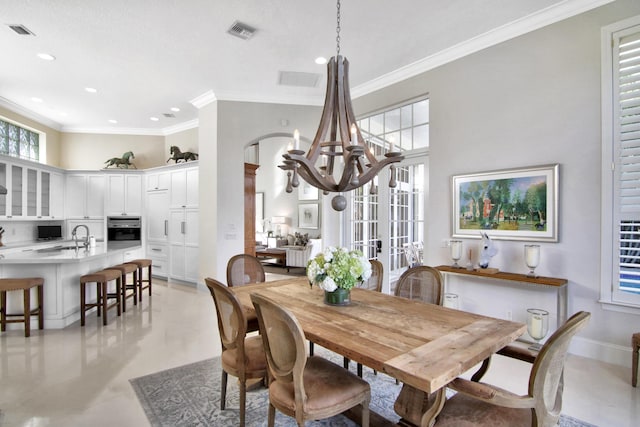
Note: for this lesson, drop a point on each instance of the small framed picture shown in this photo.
(308, 216)
(307, 191)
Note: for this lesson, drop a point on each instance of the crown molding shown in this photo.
(287, 99)
(112, 131)
(535, 21)
(18, 109)
(203, 100)
(181, 127)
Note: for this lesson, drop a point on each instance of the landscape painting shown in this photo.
(514, 204)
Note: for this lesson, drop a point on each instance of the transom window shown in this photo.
(16, 141)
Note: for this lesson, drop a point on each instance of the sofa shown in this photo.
(299, 255)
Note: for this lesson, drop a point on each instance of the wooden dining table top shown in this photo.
(423, 345)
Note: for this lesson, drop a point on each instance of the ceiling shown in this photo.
(146, 56)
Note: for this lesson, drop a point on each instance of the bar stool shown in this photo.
(635, 347)
(142, 263)
(101, 279)
(125, 269)
(24, 284)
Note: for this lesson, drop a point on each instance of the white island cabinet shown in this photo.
(61, 267)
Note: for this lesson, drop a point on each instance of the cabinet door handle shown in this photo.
(182, 226)
(166, 227)
(156, 249)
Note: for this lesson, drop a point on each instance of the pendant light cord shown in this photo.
(338, 29)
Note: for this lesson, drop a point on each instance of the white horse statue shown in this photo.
(488, 250)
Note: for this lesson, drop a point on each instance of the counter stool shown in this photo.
(24, 284)
(101, 279)
(142, 263)
(125, 269)
(635, 347)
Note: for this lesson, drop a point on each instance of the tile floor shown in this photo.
(79, 376)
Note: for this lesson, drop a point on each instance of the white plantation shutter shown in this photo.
(626, 85)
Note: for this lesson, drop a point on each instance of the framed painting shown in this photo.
(308, 216)
(513, 204)
(307, 191)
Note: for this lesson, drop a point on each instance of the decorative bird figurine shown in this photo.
(488, 250)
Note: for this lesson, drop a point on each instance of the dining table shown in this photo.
(425, 346)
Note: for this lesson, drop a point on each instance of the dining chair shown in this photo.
(421, 283)
(242, 356)
(305, 388)
(243, 269)
(482, 404)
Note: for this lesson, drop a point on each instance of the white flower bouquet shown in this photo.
(338, 268)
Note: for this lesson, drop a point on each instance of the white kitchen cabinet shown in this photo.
(158, 181)
(183, 244)
(124, 194)
(157, 229)
(184, 188)
(84, 196)
(56, 194)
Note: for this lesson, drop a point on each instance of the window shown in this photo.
(381, 224)
(16, 141)
(620, 282)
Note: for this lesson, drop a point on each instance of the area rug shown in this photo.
(189, 396)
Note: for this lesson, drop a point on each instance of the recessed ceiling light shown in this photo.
(175, 109)
(62, 113)
(154, 119)
(113, 121)
(91, 90)
(46, 57)
(36, 99)
(321, 60)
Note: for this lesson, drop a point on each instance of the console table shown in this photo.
(560, 285)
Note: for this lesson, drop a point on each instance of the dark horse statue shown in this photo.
(122, 162)
(178, 155)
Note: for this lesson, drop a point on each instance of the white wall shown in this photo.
(222, 145)
(272, 181)
(533, 100)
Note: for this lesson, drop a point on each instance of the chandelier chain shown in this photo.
(338, 28)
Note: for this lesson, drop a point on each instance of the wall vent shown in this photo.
(21, 29)
(244, 31)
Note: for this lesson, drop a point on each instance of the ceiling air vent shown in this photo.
(21, 29)
(244, 31)
(169, 115)
(296, 78)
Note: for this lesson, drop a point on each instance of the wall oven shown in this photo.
(125, 229)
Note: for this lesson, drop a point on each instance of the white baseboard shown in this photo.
(603, 352)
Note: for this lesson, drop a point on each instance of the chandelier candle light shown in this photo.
(338, 146)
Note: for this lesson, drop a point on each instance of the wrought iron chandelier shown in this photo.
(338, 159)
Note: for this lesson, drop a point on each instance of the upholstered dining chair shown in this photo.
(305, 388)
(242, 356)
(481, 404)
(243, 269)
(421, 283)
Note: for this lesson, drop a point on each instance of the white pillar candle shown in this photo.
(456, 249)
(354, 134)
(536, 327)
(296, 139)
(532, 255)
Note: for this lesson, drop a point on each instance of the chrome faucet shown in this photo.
(74, 234)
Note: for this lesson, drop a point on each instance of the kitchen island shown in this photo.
(61, 266)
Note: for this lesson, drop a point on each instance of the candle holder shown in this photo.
(537, 326)
(532, 258)
(455, 249)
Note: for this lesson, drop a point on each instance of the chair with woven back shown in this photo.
(305, 388)
(481, 404)
(421, 283)
(242, 356)
(244, 269)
